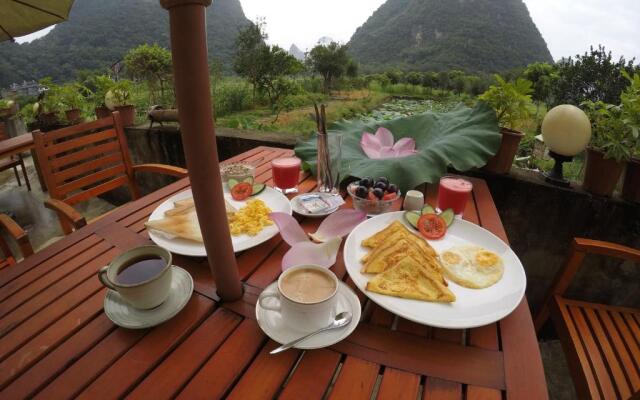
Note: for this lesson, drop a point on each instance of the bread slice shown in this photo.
(380, 237)
(410, 280)
(183, 225)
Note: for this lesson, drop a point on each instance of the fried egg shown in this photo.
(472, 266)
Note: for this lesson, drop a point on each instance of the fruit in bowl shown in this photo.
(374, 196)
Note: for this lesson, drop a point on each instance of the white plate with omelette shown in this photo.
(472, 307)
(273, 199)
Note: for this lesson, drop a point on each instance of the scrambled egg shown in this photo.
(250, 219)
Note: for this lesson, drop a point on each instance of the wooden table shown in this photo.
(21, 144)
(56, 342)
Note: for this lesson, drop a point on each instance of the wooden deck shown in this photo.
(56, 342)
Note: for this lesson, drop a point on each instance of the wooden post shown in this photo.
(191, 74)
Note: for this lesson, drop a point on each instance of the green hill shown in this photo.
(99, 32)
(434, 35)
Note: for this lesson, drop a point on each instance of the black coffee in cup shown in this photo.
(140, 269)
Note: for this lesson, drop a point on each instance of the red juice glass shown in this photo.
(454, 193)
(286, 172)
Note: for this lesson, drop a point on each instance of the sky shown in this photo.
(568, 26)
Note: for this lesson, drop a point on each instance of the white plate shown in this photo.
(300, 210)
(473, 307)
(275, 200)
(271, 321)
(122, 314)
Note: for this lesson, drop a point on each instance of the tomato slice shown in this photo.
(241, 191)
(432, 226)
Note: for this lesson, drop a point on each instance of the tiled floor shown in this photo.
(42, 225)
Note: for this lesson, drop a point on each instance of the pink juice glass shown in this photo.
(454, 193)
(286, 172)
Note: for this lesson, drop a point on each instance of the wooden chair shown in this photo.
(14, 230)
(86, 160)
(601, 342)
(13, 162)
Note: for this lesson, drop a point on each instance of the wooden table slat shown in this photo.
(312, 376)
(356, 379)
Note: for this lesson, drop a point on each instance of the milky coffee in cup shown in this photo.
(307, 285)
(305, 298)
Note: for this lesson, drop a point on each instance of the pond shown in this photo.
(399, 107)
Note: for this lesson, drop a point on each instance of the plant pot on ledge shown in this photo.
(601, 175)
(102, 112)
(631, 186)
(9, 111)
(128, 114)
(501, 162)
(73, 116)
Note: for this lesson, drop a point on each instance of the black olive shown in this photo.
(362, 192)
(379, 193)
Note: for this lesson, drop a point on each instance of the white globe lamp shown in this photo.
(566, 130)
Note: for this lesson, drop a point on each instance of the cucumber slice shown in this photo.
(448, 216)
(412, 218)
(427, 209)
(258, 188)
(248, 180)
(232, 182)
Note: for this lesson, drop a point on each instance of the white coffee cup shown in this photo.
(413, 201)
(302, 316)
(146, 294)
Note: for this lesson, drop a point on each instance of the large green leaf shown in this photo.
(463, 138)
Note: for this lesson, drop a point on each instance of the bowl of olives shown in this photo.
(373, 196)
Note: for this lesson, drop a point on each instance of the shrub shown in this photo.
(232, 96)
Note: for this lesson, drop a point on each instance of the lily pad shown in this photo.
(464, 138)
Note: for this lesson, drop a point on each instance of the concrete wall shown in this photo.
(540, 219)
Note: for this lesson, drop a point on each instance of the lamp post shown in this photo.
(195, 112)
(566, 131)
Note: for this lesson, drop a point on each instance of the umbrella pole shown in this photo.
(191, 74)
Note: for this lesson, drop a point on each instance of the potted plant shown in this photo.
(512, 104)
(7, 108)
(72, 101)
(103, 84)
(609, 150)
(630, 103)
(118, 99)
(50, 106)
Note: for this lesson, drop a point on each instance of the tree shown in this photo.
(151, 64)
(329, 61)
(543, 76)
(594, 76)
(274, 63)
(250, 46)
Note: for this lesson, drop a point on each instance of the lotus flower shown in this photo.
(328, 237)
(383, 145)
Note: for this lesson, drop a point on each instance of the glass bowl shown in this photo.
(238, 171)
(371, 207)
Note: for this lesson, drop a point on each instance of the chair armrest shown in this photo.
(579, 249)
(161, 169)
(17, 233)
(67, 212)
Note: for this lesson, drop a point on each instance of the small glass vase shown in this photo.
(329, 162)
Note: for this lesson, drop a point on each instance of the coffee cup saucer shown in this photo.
(126, 316)
(272, 324)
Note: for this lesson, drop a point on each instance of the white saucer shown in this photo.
(271, 321)
(122, 314)
(300, 210)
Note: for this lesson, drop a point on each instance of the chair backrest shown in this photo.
(85, 160)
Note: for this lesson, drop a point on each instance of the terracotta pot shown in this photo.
(631, 186)
(501, 162)
(73, 116)
(102, 112)
(601, 175)
(127, 114)
(8, 112)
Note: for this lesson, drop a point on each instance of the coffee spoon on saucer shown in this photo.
(342, 319)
